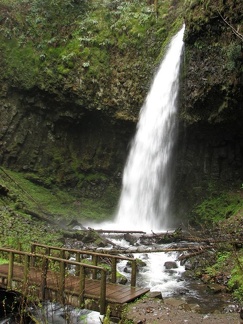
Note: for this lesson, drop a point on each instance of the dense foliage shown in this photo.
(75, 47)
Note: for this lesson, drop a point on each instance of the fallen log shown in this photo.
(89, 236)
(116, 231)
(178, 237)
(40, 216)
(150, 250)
(190, 255)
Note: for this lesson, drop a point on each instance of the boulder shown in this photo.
(155, 294)
(170, 265)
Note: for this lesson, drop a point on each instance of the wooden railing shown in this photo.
(28, 259)
(65, 253)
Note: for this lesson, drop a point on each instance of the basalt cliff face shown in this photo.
(70, 98)
(210, 141)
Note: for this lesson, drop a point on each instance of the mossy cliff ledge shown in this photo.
(73, 77)
(74, 74)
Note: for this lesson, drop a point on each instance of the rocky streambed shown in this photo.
(169, 264)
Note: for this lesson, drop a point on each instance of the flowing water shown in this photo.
(145, 198)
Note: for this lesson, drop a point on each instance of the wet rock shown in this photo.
(122, 280)
(155, 294)
(170, 265)
(145, 241)
(141, 263)
(175, 302)
(186, 307)
(195, 308)
(129, 238)
(76, 225)
(232, 308)
(182, 291)
(127, 270)
(188, 266)
(206, 278)
(215, 288)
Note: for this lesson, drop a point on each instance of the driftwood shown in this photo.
(116, 231)
(89, 236)
(178, 236)
(147, 239)
(174, 236)
(39, 216)
(190, 255)
(151, 250)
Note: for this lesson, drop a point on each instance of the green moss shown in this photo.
(216, 208)
(222, 258)
(36, 193)
(21, 63)
(50, 41)
(236, 281)
(3, 261)
(95, 176)
(18, 230)
(25, 195)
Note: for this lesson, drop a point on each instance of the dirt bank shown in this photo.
(157, 311)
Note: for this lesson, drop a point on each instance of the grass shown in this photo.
(218, 207)
(54, 201)
(3, 261)
(23, 200)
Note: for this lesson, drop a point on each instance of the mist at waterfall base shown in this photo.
(147, 179)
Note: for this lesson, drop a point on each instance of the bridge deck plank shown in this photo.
(115, 293)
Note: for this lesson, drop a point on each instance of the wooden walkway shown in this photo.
(70, 283)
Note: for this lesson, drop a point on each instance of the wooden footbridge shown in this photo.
(61, 275)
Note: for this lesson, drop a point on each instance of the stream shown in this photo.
(173, 284)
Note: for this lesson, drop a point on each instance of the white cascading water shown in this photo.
(145, 197)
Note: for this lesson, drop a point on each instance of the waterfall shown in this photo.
(145, 198)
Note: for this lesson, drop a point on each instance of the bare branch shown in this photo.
(239, 35)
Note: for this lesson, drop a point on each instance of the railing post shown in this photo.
(20, 249)
(44, 275)
(81, 285)
(134, 273)
(26, 268)
(62, 254)
(95, 262)
(48, 251)
(103, 292)
(77, 268)
(62, 281)
(10, 270)
(113, 270)
(33, 251)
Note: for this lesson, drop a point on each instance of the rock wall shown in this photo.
(208, 160)
(61, 144)
(210, 143)
(72, 133)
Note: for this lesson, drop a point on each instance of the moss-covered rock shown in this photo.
(213, 71)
